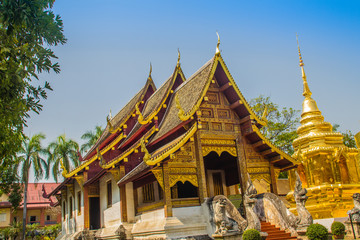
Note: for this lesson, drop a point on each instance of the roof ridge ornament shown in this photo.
(218, 44)
(265, 114)
(150, 71)
(178, 61)
(306, 91)
(64, 171)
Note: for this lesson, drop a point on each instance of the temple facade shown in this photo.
(165, 152)
(328, 169)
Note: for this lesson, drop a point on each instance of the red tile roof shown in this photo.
(35, 194)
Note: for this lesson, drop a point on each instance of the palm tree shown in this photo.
(65, 150)
(30, 155)
(91, 137)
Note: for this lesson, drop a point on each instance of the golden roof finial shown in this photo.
(306, 91)
(178, 61)
(218, 44)
(150, 71)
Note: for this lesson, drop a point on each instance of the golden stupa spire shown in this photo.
(306, 91)
(309, 104)
(218, 44)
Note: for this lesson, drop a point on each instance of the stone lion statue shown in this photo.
(304, 217)
(225, 217)
(355, 212)
(222, 222)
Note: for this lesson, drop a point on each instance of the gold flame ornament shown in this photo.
(147, 155)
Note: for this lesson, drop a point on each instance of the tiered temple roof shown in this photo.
(156, 123)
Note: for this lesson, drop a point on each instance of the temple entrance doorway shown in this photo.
(221, 174)
(94, 206)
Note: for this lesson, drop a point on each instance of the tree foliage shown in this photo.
(91, 137)
(282, 123)
(30, 155)
(28, 29)
(349, 138)
(63, 149)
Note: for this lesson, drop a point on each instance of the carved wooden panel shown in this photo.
(213, 97)
(94, 190)
(223, 113)
(205, 125)
(229, 127)
(207, 113)
(216, 126)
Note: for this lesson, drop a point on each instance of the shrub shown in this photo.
(337, 228)
(317, 232)
(251, 234)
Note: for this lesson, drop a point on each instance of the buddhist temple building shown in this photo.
(165, 152)
(40, 210)
(328, 169)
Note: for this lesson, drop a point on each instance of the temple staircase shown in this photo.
(274, 232)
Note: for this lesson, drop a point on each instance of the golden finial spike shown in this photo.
(178, 61)
(218, 44)
(306, 90)
(150, 70)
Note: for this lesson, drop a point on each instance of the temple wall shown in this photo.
(5, 217)
(64, 217)
(130, 207)
(109, 215)
(79, 217)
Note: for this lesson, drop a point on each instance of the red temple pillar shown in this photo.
(42, 217)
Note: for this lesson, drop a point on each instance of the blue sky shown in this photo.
(111, 43)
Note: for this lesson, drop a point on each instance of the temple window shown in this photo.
(2, 217)
(184, 190)
(32, 219)
(64, 210)
(109, 193)
(148, 193)
(71, 207)
(79, 202)
(48, 218)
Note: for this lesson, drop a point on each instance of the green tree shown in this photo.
(91, 137)
(349, 138)
(28, 29)
(65, 150)
(30, 155)
(282, 123)
(10, 184)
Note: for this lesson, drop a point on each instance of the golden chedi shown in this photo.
(328, 169)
